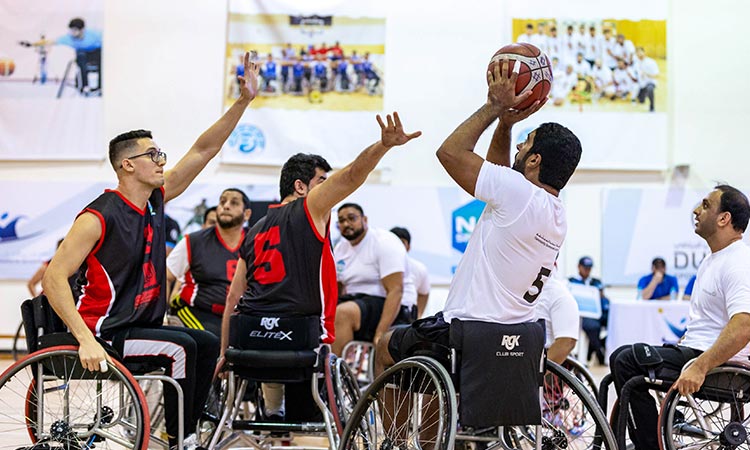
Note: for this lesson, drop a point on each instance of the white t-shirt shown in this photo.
(559, 310)
(602, 76)
(647, 71)
(361, 268)
(177, 261)
(563, 85)
(510, 253)
(721, 290)
(416, 281)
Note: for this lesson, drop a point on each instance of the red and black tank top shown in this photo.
(123, 277)
(212, 266)
(290, 267)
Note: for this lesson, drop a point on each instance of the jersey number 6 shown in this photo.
(269, 264)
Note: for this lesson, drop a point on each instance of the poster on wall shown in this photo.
(610, 77)
(324, 58)
(51, 80)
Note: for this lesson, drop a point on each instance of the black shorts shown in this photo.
(370, 311)
(430, 335)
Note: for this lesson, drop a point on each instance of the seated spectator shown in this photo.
(593, 327)
(416, 278)
(689, 288)
(658, 285)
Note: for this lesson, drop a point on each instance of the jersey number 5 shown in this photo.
(538, 284)
(269, 264)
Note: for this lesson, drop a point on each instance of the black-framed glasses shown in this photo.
(157, 156)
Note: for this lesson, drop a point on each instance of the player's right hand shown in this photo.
(501, 91)
(91, 354)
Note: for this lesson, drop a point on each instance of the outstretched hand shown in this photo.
(502, 86)
(249, 82)
(393, 133)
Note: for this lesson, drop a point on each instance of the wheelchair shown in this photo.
(360, 356)
(413, 405)
(333, 387)
(52, 402)
(715, 417)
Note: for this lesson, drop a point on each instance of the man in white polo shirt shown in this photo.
(719, 327)
(516, 240)
(370, 267)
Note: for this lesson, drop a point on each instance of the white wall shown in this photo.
(164, 72)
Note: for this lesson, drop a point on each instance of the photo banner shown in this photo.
(322, 77)
(32, 221)
(51, 80)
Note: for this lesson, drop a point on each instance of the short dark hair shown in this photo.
(658, 261)
(351, 205)
(560, 150)
(77, 23)
(245, 198)
(300, 167)
(735, 203)
(123, 142)
(208, 211)
(402, 233)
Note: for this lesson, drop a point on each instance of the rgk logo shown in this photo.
(510, 341)
(269, 323)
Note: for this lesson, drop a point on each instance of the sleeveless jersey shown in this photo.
(212, 265)
(123, 277)
(290, 268)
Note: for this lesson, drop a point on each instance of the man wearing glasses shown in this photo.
(370, 266)
(118, 240)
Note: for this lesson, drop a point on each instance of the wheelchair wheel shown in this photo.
(717, 416)
(49, 401)
(342, 390)
(571, 417)
(582, 373)
(410, 406)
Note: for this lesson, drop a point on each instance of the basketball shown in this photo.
(7, 66)
(535, 73)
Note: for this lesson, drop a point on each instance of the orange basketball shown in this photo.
(7, 66)
(535, 73)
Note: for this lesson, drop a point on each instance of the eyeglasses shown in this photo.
(351, 218)
(157, 156)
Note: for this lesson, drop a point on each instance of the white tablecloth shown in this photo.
(654, 322)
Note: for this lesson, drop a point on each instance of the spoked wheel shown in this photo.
(716, 417)
(49, 401)
(342, 391)
(412, 405)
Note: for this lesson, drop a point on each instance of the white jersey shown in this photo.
(525, 38)
(602, 76)
(563, 85)
(540, 42)
(559, 310)
(647, 71)
(568, 48)
(416, 282)
(582, 69)
(554, 48)
(625, 51)
(177, 261)
(721, 290)
(361, 268)
(510, 253)
(593, 47)
(623, 80)
(607, 47)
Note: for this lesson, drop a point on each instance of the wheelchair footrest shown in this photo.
(304, 427)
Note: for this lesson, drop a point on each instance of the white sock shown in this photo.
(273, 398)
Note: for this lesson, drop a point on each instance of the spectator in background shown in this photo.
(38, 275)
(210, 219)
(658, 285)
(689, 288)
(173, 233)
(416, 278)
(593, 327)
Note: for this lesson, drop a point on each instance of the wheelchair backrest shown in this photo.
(270, 332)
(39, 319)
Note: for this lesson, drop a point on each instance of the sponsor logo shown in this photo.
(277, 335)
(340, 265)
(510, 341)
(269, 323)
(8, 228)
(464, 220)
(247, 139)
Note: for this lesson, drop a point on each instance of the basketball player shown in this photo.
(286, 265)
(515, 242)
(119, 237)
(204, 264)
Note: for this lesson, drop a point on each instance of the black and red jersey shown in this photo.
(290, 267)
(212, 265)
(125, 274)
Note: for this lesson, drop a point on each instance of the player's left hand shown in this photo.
(249, 82)
(690, 380)
(501, 80)
(393, 133)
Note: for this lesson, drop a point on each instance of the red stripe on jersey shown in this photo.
(128, 202)
(329, 293)
(104, 228)
(312, 223)
(97, 295)
(188, 289)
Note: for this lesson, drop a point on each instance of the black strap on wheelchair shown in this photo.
(604, 391)
(623, 415)
(648, 358)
